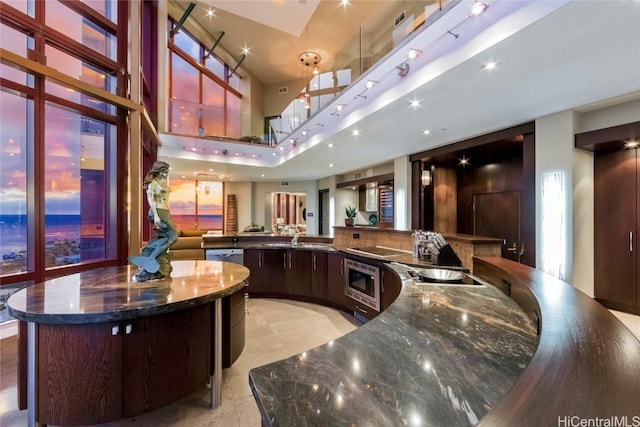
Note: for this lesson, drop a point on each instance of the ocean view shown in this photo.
(13, 229)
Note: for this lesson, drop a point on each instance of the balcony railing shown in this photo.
(373, 40)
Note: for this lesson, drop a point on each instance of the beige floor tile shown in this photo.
(275, 329)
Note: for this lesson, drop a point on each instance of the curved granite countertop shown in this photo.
(439, 355)
(458, 356)
(108, 293)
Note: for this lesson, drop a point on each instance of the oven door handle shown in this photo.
(362, 310)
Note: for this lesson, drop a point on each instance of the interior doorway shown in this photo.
(499, 215)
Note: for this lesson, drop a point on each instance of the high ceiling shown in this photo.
(551, 56)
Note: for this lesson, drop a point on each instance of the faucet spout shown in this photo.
(294, 240)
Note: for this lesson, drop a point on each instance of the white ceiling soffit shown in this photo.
(290, 16)
(442, 52)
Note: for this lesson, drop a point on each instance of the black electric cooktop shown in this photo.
(380, 251)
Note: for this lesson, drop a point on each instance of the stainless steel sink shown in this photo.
(275, 245)
(322, 246)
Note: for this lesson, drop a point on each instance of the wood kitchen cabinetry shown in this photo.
(336, 279)
(319, 275)
(617, 264)
(298, 266)
(120, 369)
(315, 276)
(253, 261)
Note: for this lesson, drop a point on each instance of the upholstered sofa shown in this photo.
(188, 246)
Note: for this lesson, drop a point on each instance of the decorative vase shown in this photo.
(348, 222)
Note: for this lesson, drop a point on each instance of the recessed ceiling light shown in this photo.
(211, 170)
(414, 103)
(245, 50)
(632, 144)
(355, 132)
(330, 165)
(413, 53)
(262, 175)
(490, 65)
(211, 13)
(478, 9)
(274, 153)
(426, 132)
(329, 145)
(193, 149)
(370, 84)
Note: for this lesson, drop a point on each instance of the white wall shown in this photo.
(605, 117)
(583, 221)
(402, 193)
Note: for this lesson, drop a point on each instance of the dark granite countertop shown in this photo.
(109, 294)
(440, 355)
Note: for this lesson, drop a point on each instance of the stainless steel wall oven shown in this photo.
(362, 283)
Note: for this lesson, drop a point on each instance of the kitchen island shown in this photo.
(102, 347)
(462, 356)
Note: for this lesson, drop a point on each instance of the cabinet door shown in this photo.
(299, 272)
(616, 221)
(635, 241)
(274, 269)
(320, 275)
(166, 357)
(253, 261)
(336, 278)
(391, 286)
(93, 393)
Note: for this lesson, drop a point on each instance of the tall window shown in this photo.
(59, 193)
(196, 204)
(204, 97)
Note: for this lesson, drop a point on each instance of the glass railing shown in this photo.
(375, 38)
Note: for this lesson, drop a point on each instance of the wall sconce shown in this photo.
(426, 177)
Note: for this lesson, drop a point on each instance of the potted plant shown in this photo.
(350, 212)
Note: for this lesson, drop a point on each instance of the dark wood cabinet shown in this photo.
(617, 222)
(319, 275)
(274, 271)
(336, 279)
(253, 261)
(120, 369)
(298, 272)
(391, 286)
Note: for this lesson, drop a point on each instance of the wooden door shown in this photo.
(616, 222)
(636, 240)
(499, 215)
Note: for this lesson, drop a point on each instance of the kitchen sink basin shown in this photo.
(322, 246)
(275, 245)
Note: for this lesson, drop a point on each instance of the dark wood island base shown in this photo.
(106, 348)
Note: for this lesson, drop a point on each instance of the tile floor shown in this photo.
(274, 331)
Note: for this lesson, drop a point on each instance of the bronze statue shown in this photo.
(154, 260)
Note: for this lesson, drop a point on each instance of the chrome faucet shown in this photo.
(294, 240)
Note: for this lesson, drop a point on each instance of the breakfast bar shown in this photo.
(518, 348)
(102, 347)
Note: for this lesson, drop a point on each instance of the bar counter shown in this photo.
(449, 355)
(102, 347)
